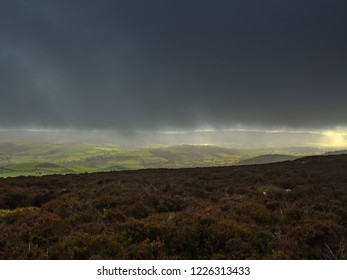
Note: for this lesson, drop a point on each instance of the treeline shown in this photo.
(290, 210)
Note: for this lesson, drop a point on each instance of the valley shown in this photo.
(37, 158)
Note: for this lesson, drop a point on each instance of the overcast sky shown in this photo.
(175, 64)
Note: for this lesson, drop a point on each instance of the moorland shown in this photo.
(288, 210)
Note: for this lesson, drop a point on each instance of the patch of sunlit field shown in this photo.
(31, 158)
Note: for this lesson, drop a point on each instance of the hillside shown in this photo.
(43, 158)
(266, 159)
(47, 157)
(38, 153)
(288, 210)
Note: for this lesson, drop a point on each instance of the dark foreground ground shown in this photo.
(289, 210)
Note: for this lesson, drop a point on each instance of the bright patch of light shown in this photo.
(335, 138)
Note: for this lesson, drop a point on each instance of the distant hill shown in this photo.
(266, 159)
(43, 158)
(341, 152)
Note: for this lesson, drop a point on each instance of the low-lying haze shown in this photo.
(243, 139)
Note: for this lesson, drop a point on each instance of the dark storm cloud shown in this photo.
(130, 65)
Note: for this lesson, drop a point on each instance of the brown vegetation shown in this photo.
(289, 210)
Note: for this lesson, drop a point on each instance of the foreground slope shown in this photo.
(289, 210)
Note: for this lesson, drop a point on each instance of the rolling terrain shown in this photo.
(37, 158)
(288, 210)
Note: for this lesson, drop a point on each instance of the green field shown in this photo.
(25, 158)
(35, 158)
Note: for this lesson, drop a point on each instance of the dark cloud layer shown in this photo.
(142, 65)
